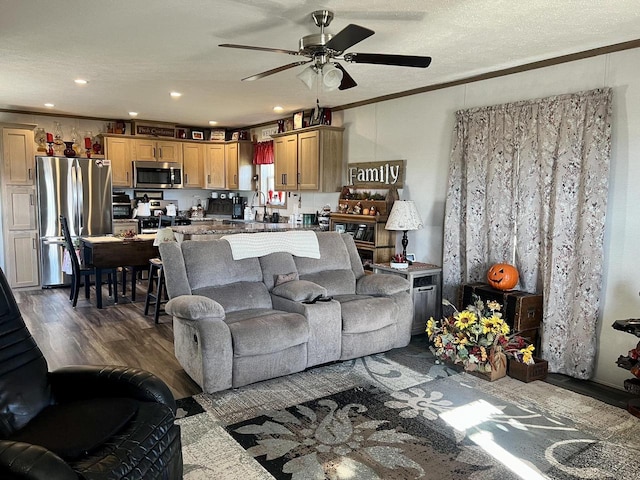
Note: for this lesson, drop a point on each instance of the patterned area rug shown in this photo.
(399, 415)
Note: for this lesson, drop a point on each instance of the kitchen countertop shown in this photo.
(224, 228)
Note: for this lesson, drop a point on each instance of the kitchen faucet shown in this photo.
(257, 193)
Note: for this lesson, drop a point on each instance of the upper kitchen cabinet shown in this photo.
(151, 150)
(18, 156)
(309, 159)
(119, 151)
(285, 153)
(215, 169)
(239, 165)
(193, 165)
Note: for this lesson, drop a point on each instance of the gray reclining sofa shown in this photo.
(241, 321)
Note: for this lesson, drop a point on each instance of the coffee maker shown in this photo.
(238, 207)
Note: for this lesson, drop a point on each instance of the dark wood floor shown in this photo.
(122, 335)
(115, 335)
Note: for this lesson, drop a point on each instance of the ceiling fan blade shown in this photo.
(383, 59)
(275, 70)
(348, 36)
(347, 80)
(262, 49)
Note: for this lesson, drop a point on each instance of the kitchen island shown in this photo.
(211, 230)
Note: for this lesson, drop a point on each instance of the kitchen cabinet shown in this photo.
(215, 169)
(119, 151)
(21, 208)
(285, 153)
(150, 150)
(18, 157)
(193, 165)
(21, 249)
(19, 205)
(309, 159)
(239, 165)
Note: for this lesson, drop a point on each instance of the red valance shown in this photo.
(263, 153)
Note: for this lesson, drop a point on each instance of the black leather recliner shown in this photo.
(81, 422)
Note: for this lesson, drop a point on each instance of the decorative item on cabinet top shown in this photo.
(153, 129)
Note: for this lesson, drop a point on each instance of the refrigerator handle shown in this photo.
(79, 202)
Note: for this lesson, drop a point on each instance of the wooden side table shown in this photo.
(426, 290)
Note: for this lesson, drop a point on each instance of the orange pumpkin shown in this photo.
(503, 276)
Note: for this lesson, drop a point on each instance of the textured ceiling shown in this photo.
(134, 52)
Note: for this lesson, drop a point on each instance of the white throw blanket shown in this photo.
(249, 245)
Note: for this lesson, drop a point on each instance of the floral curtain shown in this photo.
(528, 185)
(263, 153)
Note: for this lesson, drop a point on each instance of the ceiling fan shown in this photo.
(323, 49)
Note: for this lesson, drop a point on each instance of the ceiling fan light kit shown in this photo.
(323, 49)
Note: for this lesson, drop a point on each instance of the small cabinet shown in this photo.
(193, 165)
(22, 258)
(21, 208)
(119, 151)
(239, 165)
(18, 157)
(426, 291)
(215, 169)
(151, 150)
(309, 159)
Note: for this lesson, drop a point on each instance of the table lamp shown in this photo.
(404, 216)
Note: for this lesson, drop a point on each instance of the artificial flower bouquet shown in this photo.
(477, 337)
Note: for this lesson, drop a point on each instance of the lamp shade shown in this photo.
(308, 76)
(164, 235)
(331, 77)
(404, 216)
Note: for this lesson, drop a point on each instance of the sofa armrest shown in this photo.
(299, 290)
(23, 461)
(379, 284)
(90, 381)
(194, 307)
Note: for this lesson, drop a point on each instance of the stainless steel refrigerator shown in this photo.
(79, 189)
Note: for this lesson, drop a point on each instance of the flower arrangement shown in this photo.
(477, 337)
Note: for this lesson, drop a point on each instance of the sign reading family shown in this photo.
(377, 174)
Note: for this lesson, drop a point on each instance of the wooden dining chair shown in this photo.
(81, 272)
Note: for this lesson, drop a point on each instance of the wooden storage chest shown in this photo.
(521, 310)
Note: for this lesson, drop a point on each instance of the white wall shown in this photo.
(419, 129)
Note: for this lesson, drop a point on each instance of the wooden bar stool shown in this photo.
(156, 274)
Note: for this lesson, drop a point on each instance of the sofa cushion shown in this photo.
(71, 430)
(268, 333)
(238, 296)
(276, 264)
(333, 255)
(379, 284)
(367, 314)
(299, 290)
(337, 282)
(210, 264)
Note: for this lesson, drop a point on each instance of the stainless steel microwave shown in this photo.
(157, 175)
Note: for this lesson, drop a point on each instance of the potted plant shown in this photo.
(398, 261)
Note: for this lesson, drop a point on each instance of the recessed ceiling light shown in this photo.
(212, 122)
(50, 105)
(133, 114)
(176, 94)
(278, 108)
(80, 81)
